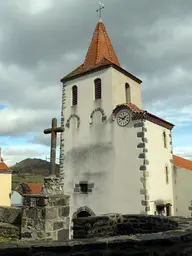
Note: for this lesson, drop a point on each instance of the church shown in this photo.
(115, 156)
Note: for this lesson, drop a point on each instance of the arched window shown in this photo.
(127, 93)
(164, 140)
(97, 83)
(166, 175)
(74, 95)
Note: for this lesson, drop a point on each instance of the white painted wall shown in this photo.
(159, 157)
(182, 191)
(118, 87)
(103, 153)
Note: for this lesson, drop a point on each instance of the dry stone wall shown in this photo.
(169, 243)
(10, 222)
(117, 224)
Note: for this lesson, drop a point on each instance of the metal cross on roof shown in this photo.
(53, 130)
(100, 8)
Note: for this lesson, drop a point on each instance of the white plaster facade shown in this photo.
(101, 153)
(182, 186)
(160, 158)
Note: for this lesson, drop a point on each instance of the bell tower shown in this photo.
(88, 155)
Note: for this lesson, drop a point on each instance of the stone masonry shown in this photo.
(61, 160)
(118, 224)
(46, 216)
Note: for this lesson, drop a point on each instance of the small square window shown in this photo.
(84, 187)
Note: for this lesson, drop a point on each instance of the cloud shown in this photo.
(185, 152)
(12, 154)
(41, 41)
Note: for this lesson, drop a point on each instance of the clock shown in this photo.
(123, 117)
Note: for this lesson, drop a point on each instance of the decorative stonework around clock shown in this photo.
(103, 118)
(123, 117)
(69, 119)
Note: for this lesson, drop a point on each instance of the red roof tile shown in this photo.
(100, 48)
(139, 113)
(4, 167)
(182, 162)
(100, 54)
(32, 188)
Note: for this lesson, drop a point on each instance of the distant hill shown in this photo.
(32, 166)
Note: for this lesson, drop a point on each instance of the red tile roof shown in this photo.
(31, 188)
(100, 48)
(100, 55)
(139, 114)
(4, 167)
(182, 162)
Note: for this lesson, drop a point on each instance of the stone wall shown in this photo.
(10, 222)
(117, 224)
(45, 217)
(168, 243)
(11, 215)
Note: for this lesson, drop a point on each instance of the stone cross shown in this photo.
(99, 10)
(53, 130)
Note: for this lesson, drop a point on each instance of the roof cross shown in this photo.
(100, 8)
(53, 130)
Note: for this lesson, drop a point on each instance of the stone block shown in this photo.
(63, 234)
(50, 213)
(90, 185)
(137, 125)
(144, 129)
(146, 162)
(146, 174)
(143, 168)
(144, 203)
(66, 223)
(27, 235)
(77, 189)
(39, 224)
(64, 211)
(9, 231)
(143, 191)
(140, 134)
(32, 213)
(23, 222)
(48, 226)
(142, 155)
(144, 140)
(141, 145)
(10, 215)
(41, 201)
(58, 225)
(147, 208)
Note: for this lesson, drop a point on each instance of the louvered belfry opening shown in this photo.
(127, 93)
(74, 95)
(97, 88)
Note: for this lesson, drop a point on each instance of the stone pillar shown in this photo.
(46, 216)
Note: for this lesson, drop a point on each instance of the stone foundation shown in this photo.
(45, 217)
(170, 243)
(117, 224)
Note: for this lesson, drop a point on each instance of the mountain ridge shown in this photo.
(33, 166)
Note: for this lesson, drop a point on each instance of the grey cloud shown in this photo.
(42, 139)
(152, 39)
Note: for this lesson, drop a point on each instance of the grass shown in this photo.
(16, 180)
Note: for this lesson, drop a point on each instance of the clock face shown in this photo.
(123, 118)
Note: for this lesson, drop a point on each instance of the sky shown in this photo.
(43, 40)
